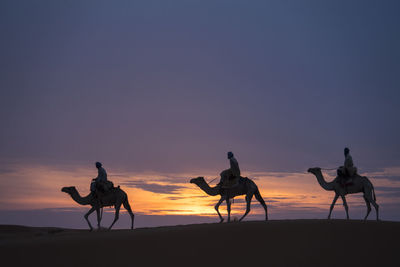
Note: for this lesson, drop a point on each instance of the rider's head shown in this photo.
(230, 155)
(346, 151)
(98, 164)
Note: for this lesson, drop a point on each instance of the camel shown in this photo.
(115, 198)
(358, 185)
(246, 187)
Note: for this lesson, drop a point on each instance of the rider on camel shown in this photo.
(99, 184)
(348, 169)
(230, 177)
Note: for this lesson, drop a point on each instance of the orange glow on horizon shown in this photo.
(40, 188)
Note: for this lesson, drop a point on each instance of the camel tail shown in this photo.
(125, 203)
(262, 202)
(259, 197)
(373, 191)
(127, 206)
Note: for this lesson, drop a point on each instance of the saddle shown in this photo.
(102, 189)
(104, 186)
(100, 193)
(232, 182)
(345, 181)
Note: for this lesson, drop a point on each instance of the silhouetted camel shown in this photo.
(359, 184)
(116, 198)
(246, 187)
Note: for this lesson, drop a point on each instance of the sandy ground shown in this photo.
(253, 243)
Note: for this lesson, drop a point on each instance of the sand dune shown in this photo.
(253, 243)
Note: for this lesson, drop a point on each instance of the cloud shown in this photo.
(389, 177)
(262, 175)
(5, 171)
(387, 189)
(155, 211)
(296, 197)
(271, 200)
(154, 187)
(184, 197)
(392, 174)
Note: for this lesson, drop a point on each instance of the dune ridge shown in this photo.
(271, 243)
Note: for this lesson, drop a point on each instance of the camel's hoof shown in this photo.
(221, 221)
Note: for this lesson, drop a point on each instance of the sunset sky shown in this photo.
(159, 91)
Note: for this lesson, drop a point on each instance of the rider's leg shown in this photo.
(225, 177)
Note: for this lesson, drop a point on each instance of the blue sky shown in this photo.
(174, 85)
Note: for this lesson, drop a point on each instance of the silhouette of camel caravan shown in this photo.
(114, 197)
(245, 187)
(358, 184)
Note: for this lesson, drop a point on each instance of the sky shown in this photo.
(159, 91)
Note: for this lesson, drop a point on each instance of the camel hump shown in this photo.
(243, 179)
(359, 177)
(116, 188)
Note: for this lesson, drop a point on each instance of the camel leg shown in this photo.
(332, 205)
(87, 216)
(128, 208)
(217, 208)
(345, 206)
(228, 208)
(372, 200)
(368, 207)
(376, 206)
(262, 202)
(248, 203)
(98, 218)
(117, 207)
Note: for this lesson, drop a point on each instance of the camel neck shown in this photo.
(321, 180)
(80, 200)
(212, 191)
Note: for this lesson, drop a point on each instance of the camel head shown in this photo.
(68, 189)
(197, 180)
(314, 170)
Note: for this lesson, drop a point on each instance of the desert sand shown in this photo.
(252, 243)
